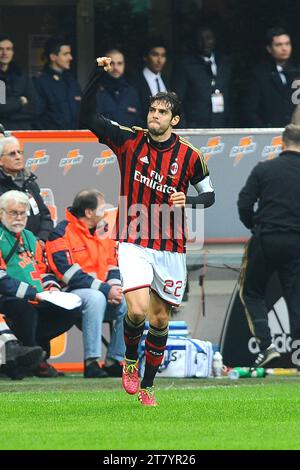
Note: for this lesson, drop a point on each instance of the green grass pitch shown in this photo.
(76, 413)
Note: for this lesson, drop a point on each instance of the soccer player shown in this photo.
(156, 167)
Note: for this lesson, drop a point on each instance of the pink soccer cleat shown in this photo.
(146, 396)
(130, 376)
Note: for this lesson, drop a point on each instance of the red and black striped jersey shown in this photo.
(150, 172)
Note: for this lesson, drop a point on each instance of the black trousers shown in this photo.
(265, 254)
(37, 324)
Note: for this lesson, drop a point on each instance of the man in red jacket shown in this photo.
(86, 262)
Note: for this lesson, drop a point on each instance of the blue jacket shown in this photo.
(118, 101)
(59, 100)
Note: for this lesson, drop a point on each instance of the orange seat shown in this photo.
(58, 345)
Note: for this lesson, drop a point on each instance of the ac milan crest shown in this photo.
(174, 168)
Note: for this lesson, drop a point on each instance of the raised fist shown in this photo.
(104, 62)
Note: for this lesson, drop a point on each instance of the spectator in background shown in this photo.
(116, 99)
(14, 176)
(20, 109)
(23, 276)
(58, 90)
(150, 80)
(87, 264)
(268, 98)
(203, 82)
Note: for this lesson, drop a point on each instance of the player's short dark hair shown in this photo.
(291, 135)
(171, 99)
(53, 45)
(85, 199)
(274, 31)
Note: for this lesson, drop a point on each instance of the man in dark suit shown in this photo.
(203, 81)
(268, 99)
(20, 108)
(150, 80)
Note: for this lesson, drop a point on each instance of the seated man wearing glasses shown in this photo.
(14, 176)
(23, 276)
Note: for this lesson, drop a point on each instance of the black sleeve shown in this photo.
(88, 118)
(198, 172)
(42, 223)
(46, 223)
(248, 196)
(108, 132)
(204, 199)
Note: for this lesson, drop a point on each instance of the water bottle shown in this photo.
(233, 374)
(258, 373)
(217, 364)
(246, 372)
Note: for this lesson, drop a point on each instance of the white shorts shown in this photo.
(163, 271)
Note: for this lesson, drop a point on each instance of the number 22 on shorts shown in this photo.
(172, 287)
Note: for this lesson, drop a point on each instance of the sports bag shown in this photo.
(183, 357)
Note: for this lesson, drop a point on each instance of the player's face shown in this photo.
(117, 65)
(63, 59)
(156, 59)
(281, 47)
(159, 118)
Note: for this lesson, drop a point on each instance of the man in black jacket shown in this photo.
(203, 82)
(58, 90)
(275, 243)
(20, 108)
(268, 98)
(14, 175)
